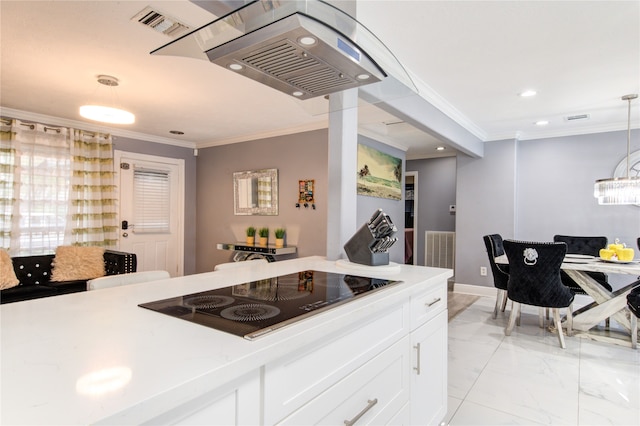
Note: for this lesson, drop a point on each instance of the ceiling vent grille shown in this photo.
(577, 117)
(161, 23)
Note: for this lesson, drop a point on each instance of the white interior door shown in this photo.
(151, 210)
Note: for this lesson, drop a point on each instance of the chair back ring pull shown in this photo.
(530, 256)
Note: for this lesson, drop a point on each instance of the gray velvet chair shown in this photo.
(534, 279)
(500, 273)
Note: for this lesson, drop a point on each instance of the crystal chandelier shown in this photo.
(623, 190)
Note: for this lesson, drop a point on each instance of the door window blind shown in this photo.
(151, 206)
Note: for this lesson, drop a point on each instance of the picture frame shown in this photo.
(379, 174)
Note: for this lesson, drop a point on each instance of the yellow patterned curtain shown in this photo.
(93, 197)
(7, 182)
(34, 182)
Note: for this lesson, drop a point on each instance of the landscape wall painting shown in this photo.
(379, 174)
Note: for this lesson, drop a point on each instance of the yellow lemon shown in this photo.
(625, 254)
(606, 254)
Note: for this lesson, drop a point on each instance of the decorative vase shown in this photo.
(251, 240)
(279, 242)
(263, 241)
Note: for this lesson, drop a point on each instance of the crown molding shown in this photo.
(560, 133)
(323, 124)
(381, 138)
(425, 91)
(113, 131)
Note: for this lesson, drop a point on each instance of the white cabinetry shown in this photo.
(429, 378)
(390, 370)
(429, 359)
(372, 394)
(237, 403)
(300, 377)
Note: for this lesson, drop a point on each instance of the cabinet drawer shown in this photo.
(292, 382)
(373, 394)
(427, 305)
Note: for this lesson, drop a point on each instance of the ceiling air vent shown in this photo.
(161, 23)
(577, 117)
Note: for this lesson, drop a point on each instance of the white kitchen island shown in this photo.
(98, 358)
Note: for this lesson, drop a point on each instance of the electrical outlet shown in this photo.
(483, 271)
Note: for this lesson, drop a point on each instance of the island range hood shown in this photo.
(298, 56)
(292, 46)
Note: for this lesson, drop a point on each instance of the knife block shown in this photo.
(358, 249)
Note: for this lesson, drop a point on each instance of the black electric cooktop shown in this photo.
(255, 308)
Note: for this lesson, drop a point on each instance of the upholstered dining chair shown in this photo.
(126, 279)
(633, 304)
(588, 246)
(493, 243)
(534, 279)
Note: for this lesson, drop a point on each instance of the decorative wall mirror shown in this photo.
(255, 192)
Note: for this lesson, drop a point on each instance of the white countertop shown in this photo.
(53, 347)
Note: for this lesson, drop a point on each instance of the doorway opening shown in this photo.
(411, 218)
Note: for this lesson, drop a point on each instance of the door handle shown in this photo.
(417, 367)
(125, 234)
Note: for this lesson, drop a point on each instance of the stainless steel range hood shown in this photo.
(298, 56)
(304, 48)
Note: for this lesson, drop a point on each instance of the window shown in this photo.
(55, 188)
(36, 168)
(152, 207)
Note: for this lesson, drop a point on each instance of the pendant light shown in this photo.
(622, 190)
(107, 114)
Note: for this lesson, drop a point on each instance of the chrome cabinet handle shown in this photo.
(370, 404)
(417, 367)
(428, 305)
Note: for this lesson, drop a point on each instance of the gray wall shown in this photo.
(532, 190)
(394, 208)
(436, 192)
(299, 156)
(170, 151)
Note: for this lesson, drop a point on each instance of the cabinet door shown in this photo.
(374, 394)
(237, 403)
(292, 381)
(429, 378)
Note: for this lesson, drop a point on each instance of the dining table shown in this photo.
(606, 304)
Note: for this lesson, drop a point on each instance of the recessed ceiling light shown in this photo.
(440, 148)
(235, 67)
(527, 93)
(542, 122)
(297, 94)
(307, 41)
(363, 77)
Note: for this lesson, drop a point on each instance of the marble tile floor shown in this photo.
(527, 379)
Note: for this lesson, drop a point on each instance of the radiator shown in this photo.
(440, 249)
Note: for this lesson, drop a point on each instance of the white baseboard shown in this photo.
(579, 301)
(476, 290)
